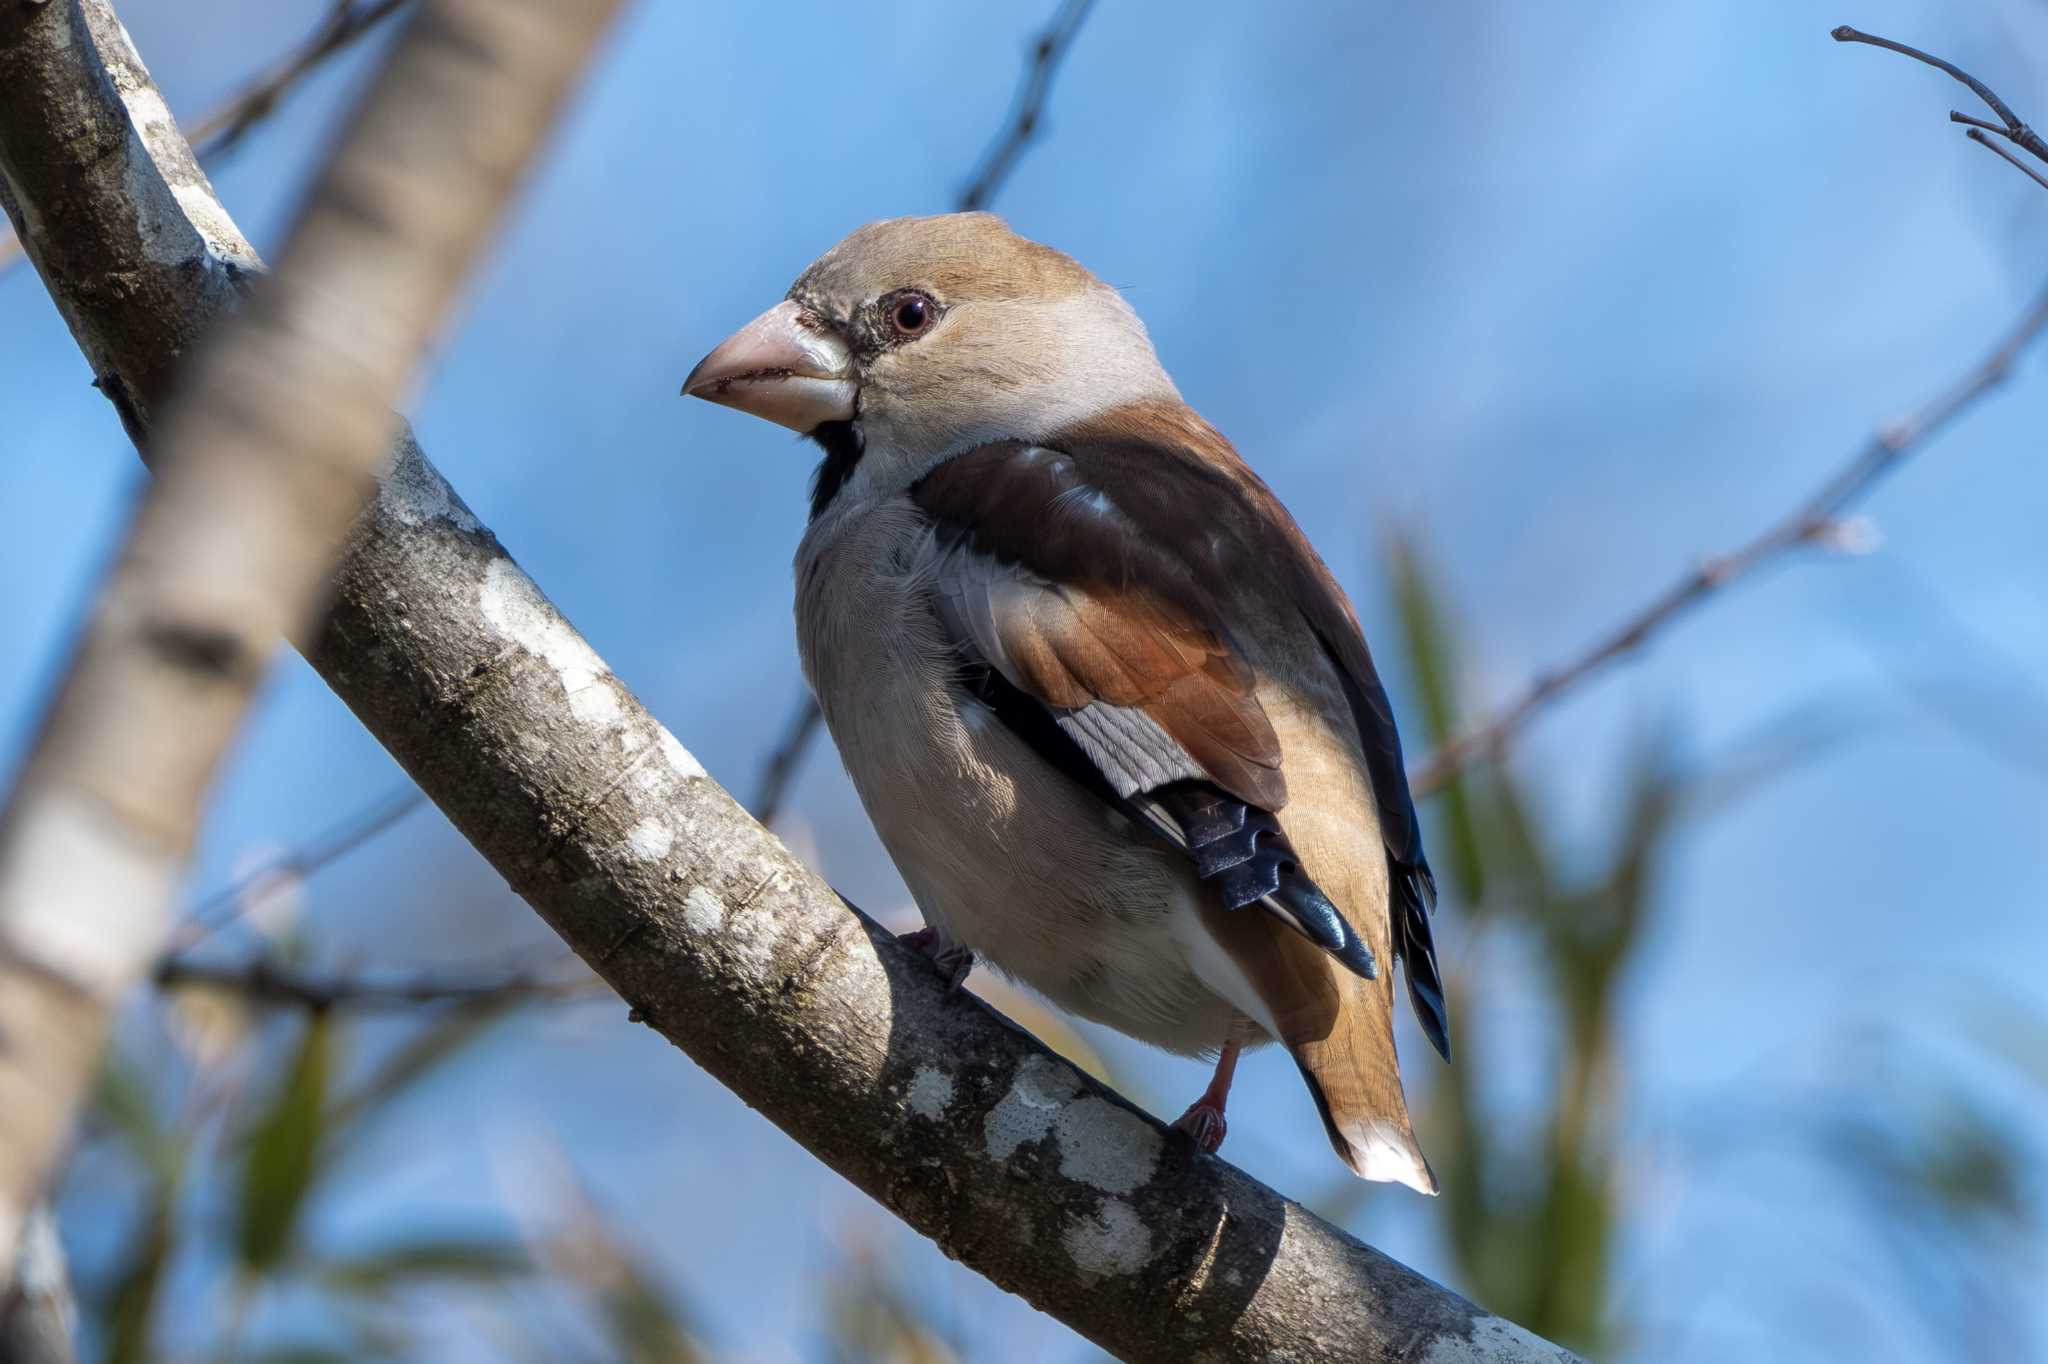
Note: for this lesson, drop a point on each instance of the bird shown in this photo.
(1110, 713)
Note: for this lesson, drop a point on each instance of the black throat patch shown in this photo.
(842, 444)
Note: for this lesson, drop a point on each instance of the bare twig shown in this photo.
(264, 464)
(1056, 1188)
(209, 915)
(1028, 109)
(218, 131)
(268, 981)
(1978, 136)
(2009, 125)
(783, 760)
(1020, 127)
(1813, 522)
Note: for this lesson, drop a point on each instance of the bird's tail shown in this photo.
(1357, 1089)
(1339, 1028)
(1341, 1033)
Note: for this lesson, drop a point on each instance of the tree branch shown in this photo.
(1978, 136)
(1812, 522)
(220, 130)
(264, 464)
(272, 982)
(1014, 1162)
(210, 914)
(1020, 128)
(2012, 128)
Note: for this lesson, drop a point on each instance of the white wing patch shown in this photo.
(975, 593)
(1129, 748)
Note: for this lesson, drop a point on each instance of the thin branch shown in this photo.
(268, 981)
(1815, 521)
(1977, 136)
(1028, 109)
(1958, 116)
(781, 768)
(2012, 127)
(266, 459)
(221, 129)
(208, 916)
(1053, 1186)
(1020, 128)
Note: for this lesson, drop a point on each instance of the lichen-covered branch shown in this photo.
(265, 458)
(1010, 1159)
(221, 129)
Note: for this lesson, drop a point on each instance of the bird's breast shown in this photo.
(1001, 851)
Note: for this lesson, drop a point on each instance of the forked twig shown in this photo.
(2009, 126)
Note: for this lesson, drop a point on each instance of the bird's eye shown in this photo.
(911, 314)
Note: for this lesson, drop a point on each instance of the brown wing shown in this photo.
(1155, 691)
(1131, 536)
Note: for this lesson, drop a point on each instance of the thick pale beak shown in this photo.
(783, 367)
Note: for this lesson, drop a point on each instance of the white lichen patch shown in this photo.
(515, 609)
(649, 777)
(597, 702)
(192, 215)
(931, 1089)
(1106, 1146)
(753, 934)
(1112, 1241)
(650, 840)
(413, 494)
(1027, 1112)
(703, 912)
(81, 897)
(1496, 1340)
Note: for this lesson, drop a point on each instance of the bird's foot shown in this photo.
(1203, 1124)
(953, 959)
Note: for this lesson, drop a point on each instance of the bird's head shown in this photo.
(917, 338)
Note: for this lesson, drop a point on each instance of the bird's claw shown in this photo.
(1204, 1125)
(953, 959)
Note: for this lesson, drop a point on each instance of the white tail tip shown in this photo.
(1381, 1151)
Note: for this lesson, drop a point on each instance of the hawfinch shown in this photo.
(1107, 708)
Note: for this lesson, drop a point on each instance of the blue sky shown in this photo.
(1572, 294)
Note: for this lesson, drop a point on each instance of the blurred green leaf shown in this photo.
(282, 1158)
(128, 1314)
(393, 1267)
(872, 1319)
(641, 1320)
(1432, 667)
(128, 1107)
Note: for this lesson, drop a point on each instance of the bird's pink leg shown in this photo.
(1204, 1119)
(953, 960)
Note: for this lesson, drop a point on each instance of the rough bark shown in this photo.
(1008, 1158)
(266, 455)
